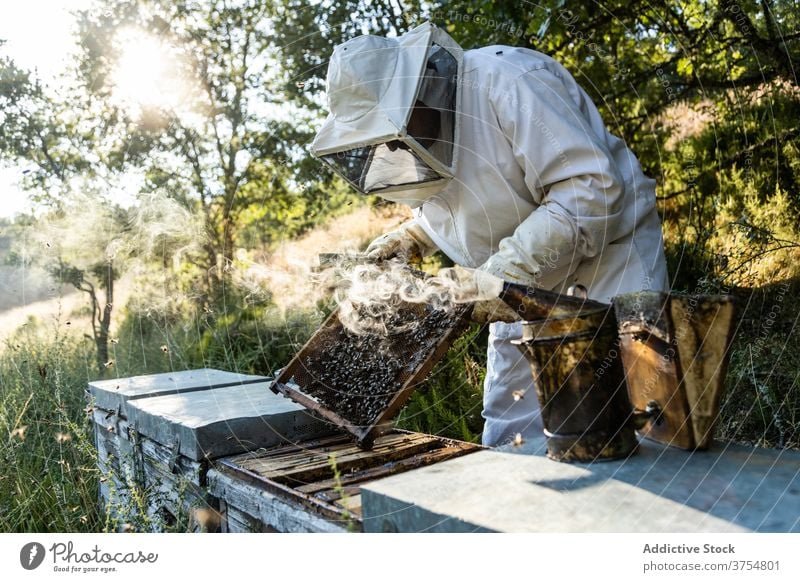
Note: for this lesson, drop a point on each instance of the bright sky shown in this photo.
(38, 35)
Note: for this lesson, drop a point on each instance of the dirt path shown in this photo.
(69, 311)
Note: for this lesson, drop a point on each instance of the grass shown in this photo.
(48, 473)
(450, 401)
(49, 476)
(761, 405)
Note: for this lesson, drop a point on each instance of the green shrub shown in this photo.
(761, 405)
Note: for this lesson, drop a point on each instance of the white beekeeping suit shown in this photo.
(536, 190)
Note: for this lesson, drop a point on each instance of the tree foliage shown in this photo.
(232, 146)
(230, 150)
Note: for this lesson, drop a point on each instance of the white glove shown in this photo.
(468, 285)
(408, 242)
(483, 290)
(498, 266)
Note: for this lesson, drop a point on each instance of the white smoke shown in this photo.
(370, 294)
(88, 230)
(159, 232)
(158, 227)
(287, 274)
(260, 279)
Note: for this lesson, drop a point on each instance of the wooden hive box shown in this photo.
(315, 486)
(157, 435)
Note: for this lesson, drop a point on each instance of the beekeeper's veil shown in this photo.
(392, 123)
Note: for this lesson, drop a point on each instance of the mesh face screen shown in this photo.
(377, 167)
(433, 121)
(431, 124)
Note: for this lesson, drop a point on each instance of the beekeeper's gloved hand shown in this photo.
(500, 266)
(482, 290)
(408, 242)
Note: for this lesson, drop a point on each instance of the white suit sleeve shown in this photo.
(569, 172)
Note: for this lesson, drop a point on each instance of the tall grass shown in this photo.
(761, 405)
(450, 401)
(48, 473)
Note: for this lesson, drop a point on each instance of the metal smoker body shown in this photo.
(653, 362)
(581, 386)
(675, 349)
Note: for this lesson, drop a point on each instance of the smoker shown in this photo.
(580, 383)
(653, 363)
(675, 350)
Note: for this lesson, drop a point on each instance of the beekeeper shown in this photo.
(509, 169)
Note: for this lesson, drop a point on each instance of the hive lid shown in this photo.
(114, 394)
(206, 424)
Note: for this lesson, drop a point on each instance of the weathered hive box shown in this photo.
(315, 486)
(157, 435)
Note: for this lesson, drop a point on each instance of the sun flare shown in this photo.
(148, 73)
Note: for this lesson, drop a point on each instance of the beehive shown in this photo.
(316, 486)
(157, 435)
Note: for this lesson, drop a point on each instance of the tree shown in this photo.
(230, 148)
(699, 90)
(37, 129)
(78, 248)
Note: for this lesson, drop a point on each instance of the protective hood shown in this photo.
(392, 124)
